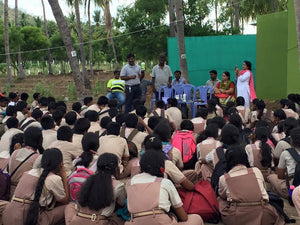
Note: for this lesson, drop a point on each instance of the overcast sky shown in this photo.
(34, 8)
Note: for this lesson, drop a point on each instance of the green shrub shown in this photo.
(71, 91)
(99, 88)
(45, 90)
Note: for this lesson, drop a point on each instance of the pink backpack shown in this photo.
(185, 142)
(77, 179)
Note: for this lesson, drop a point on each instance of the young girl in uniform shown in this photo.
(260, 153)
(243, 197)
(35, 198)
(86, 164)
(150, 196)
(206, 143)
(153, 142)
(98, 197)
(33, 148)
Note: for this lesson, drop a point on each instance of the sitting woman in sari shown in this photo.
(225, 89)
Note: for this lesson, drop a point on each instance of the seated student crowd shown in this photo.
(73, 165)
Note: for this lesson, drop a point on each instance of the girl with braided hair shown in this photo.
(37, 193)
(260, 152)
(97, 198)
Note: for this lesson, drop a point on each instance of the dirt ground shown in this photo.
(58, 85)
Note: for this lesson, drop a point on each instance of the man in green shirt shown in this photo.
(115, 88)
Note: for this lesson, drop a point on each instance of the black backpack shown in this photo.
(277, 202)
(5, 186)
(219, 169)
(296, 157)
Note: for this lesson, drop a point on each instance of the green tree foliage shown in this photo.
(145, 33)
(196, 13)
(34, 39)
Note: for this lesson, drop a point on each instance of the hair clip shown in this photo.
(152, 139)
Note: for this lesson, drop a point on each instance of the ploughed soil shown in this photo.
(59, 88)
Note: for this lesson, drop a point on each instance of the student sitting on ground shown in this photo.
(99, 196)
(70, 119)
(113, 143)
(33, 205)
(87, 102)
(86, 164)
(243, 111)
(200, 120)
(289, 125)
(243, 197)
(207, 141)
(260, 153)
(153, 142)
(33, 148)
(49, 133)
(81, 127)
(286, 167)
(93, 117)
(68, 149)
(174, 112)
(154, 195)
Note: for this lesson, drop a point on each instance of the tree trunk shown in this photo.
(297, 13)
(66, 36)
(87, 82)
(6, 42)
(19, 58)
(180, 39)
(172, 18)
(273, 6)
(237, 16)
(90, 40)
(216, 15)
(108, 28)
(50, 59)
(231, 15)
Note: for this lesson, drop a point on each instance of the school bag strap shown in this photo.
(294, 154)
(102, 112)
(122, 132)
(220, 153)
(162, 113)
(132, 134)
(102, 134)
(287, 140)
(26, 124)
(15, 170)
(155, 113)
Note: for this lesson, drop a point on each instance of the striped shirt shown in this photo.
(116, 85)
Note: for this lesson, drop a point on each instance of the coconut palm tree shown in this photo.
(6, 42)
(50, 59)
(104, 4)
(297, 13)
(88, 4)
(66, 36)
(172, 18)
(19, 58)
(87, 82)
(180, 39)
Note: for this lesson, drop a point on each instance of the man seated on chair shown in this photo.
(178, 79)
(115, 88)
(213, 80)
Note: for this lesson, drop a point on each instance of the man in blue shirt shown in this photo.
(178, 79)
(131, 73)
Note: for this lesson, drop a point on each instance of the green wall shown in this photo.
(293, 78)
(277, 55)
(271, 56)
(221, 53)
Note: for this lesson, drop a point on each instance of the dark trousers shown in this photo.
(132, 92)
